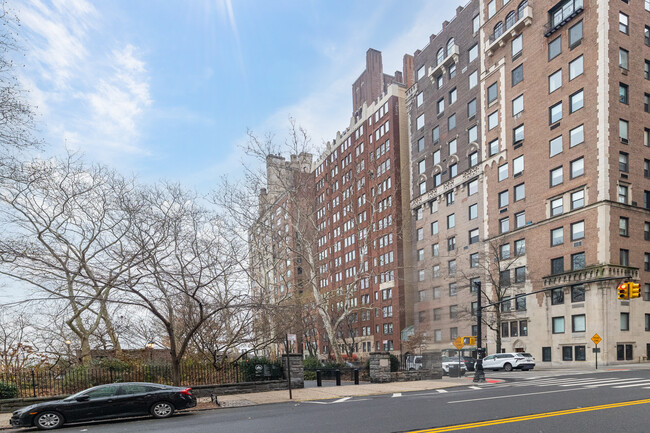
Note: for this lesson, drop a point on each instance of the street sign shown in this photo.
(458, 343)
(596, 350)
(291, 337)
(596, 339)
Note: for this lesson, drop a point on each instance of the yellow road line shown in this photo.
(531, 417)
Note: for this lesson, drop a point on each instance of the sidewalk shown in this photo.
(319, 393)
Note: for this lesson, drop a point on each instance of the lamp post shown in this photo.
(479, 374)
(68, 342)
(150, 346)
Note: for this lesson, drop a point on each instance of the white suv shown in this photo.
(509, 361)
(448, 361)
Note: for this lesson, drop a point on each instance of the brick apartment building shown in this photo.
(563, 175)
(360, 200)
(337, 223)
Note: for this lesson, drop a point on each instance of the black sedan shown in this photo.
(116, 400)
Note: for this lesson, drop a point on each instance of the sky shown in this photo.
(167, 89)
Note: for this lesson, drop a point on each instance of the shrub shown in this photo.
(394, 363)
(8, 390)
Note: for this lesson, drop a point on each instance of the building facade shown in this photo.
(563, 176)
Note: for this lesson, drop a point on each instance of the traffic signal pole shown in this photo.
(479, 373)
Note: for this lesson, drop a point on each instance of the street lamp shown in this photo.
(479, 374)
(150, 347)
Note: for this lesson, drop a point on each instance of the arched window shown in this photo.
(441, 55)
(520, 9)
(498, 30)
(510, 20)
(450, 46)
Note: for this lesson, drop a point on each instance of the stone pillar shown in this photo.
(432, 363)
(379, 367)
(297, 369)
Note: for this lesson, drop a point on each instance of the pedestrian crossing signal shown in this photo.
(623, 292)
(635, 290)
(469, 341)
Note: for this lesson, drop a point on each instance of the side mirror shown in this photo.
(82, 398)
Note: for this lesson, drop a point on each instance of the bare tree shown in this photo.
(187, 272)
(65, 237)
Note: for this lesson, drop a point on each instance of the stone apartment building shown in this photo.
(360, 200)
(563, 175)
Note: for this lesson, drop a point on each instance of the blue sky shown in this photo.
(167, 89)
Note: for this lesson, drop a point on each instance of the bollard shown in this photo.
(319, 378)
(338, 377)
(356, 376)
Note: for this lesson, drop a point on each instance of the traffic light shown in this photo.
(635, 290)
(623, 292)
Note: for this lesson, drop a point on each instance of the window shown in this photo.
(623, 129)
(451, 122)
(517, 105)
(473, 53)
(451, 221)
(434, 228)
(555, 113)
(555, 48)
(451, 243)
(473, 159)
(557, 296)
(623, 161)
(558, 325)
(504, 251)
(493, 120)
(439, 81)
(556, 176)
(577, 261)
(625, 321)
(473, 236)
(520, 276)
(420, 254)
(578, 293)
(646, 168)
(473, 79)
(476, 23)
(577, 167)
(517, 45)
(577, 136)
(555, 146)
(577, 230)
(440, 56)
(420, 73)
(453, 170)
(504, 225)
(546, 354)
(473, 211)
(435, 250)
(437, 179)
(567, 353)
(473, 260)
(452, 71)
(492, 8)
(557, 206)
(646, 102)
(450, 196)
(494, 147)
(647, 35)
(581, 353)
(576, 101)
(419, 100)
(492, 93)
(557, 236)
(576, 68)
(471, 108)
(420, 144)
(520, 192)
(503, 198)
(518, 74)
(452, 267)
(554, 81)
(435, 135)
(422, 188)
(623, 93)
(441, 105)
(518, 134)
(472, 187)
(436, 157)
(520, 247)
(557, 265)
(624, 257)
(420, 233)
(498, 29)
(472, 134)
(575, 35)
(504, 281)
(419, 123)
(518, 166)
(646, 231)
(623, 23)
(422, 166)
(503, 172)
(623, 58)
(622, 194)
(453, 96)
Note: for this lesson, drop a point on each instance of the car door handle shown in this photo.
(109, 401)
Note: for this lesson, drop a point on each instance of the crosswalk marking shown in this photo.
(442, 391)
(579, 382)
(611, 382)
(475, 387)
(341, 400)
(643, 382)
(397, 394)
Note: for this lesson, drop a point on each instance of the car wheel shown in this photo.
(507, 366)
(162, 409)
(48, 420)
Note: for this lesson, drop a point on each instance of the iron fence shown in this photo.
(48, 383)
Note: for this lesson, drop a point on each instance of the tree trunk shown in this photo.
(85, 357)
(110, 330)
(498, 330)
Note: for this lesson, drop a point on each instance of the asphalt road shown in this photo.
(604, 401)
